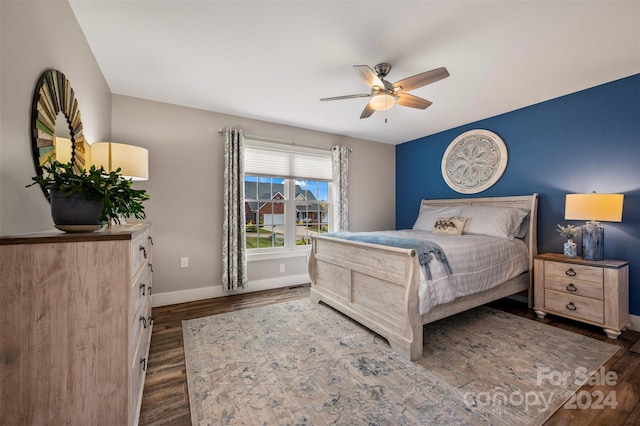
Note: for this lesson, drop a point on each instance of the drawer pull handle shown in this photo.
(570, 306)
(151, 321)
(142, 287)
(150, 239)
(143, 362)
(150, 287)
(150, 266)
(572, 288)
(570, 272)
(144, 251)
(144, 321)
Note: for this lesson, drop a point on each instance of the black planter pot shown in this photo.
(74, 210)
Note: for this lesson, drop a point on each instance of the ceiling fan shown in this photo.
(384, 94)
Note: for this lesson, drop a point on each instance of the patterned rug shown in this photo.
(299, 363)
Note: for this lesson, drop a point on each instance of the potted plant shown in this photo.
(569, 233)
(86, 198)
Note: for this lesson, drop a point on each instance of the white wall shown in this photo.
(185, 184)
(35, 36)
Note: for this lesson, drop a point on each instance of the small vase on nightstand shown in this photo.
(570, 249)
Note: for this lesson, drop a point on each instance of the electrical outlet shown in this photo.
(282, 267)
(184, 262)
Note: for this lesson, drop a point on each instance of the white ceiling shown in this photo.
(274, 60)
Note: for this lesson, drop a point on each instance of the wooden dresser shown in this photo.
(75, 317)
(594, 292)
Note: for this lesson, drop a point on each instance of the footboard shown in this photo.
(374, 285)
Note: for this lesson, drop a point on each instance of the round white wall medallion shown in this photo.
(474, 161)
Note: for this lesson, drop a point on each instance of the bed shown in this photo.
(380, 286)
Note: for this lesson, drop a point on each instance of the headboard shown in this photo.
(527, 202)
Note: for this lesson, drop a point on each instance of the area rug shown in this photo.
(301, 363)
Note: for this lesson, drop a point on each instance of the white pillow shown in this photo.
(429, 214)
(503, 222)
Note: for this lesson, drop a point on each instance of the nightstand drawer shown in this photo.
(577, 288)
(572, 306)
(570, 273)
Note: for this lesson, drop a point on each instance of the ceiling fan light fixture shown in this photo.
(382, 101)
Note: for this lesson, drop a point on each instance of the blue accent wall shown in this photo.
(583, 142)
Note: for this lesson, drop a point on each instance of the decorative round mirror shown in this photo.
(474, 161)
(56, 127)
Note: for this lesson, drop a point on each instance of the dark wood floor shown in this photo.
(166, 401)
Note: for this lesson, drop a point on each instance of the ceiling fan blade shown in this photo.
(338, 98)
(367, 111)
(411, 101)
(421, 79)
(369, 76)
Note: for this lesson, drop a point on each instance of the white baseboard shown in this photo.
(182, 296)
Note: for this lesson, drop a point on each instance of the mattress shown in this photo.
(477, 263)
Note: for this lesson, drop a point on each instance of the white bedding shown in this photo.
(477, 263)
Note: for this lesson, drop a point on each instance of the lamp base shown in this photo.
(593, 241)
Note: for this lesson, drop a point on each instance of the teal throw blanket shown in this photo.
(425, 249)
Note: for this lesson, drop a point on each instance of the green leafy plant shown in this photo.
(121, 200)
(567, 232)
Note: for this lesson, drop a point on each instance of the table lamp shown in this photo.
(593, 208)
(132, 160)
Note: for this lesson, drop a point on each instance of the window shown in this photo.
(287, 195)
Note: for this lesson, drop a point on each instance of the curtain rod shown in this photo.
(275, 140)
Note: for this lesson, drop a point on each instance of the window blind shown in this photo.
(291, 162)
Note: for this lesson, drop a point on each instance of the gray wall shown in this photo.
(185, 184)
(35, 36)
(185, 156)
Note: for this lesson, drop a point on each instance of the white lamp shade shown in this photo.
(595, 207)
(132, 160)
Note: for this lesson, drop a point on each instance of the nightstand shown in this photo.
(594, 292)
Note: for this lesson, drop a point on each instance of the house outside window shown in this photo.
(287, 196)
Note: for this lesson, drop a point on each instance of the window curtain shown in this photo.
(234, 260)
(340, 167)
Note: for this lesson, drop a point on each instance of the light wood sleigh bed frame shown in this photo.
(377, 285)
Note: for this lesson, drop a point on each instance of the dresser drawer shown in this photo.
(570, 273)
(141, 291)
(140, 252)
(576, 307)
(141, 325)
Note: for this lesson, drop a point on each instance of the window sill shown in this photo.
(277, 254)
